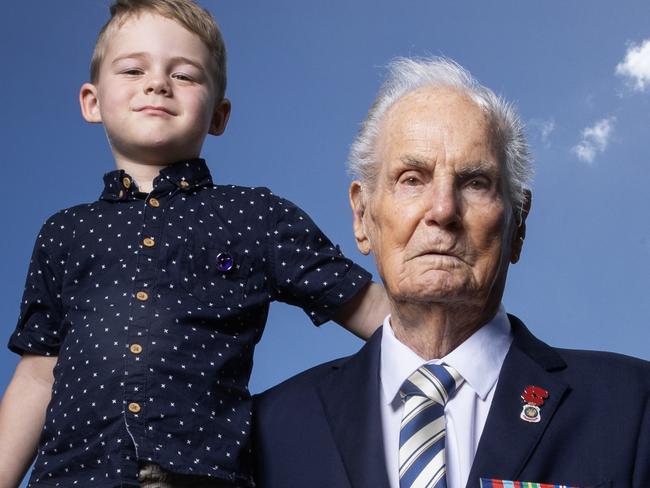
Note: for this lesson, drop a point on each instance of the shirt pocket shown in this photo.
(216, 277)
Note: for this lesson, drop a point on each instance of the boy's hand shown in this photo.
(22, 415)
(365, 312)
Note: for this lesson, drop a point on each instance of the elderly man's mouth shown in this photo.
(445, 255)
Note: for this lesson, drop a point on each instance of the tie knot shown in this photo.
(435, 381)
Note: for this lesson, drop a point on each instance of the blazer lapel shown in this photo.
(507, 441)
(350, 397)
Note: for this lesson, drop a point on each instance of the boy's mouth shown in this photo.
(155, 110)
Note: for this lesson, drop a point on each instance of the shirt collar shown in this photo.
(186, 175)
(478, 359)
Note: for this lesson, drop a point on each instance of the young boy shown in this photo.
(142, 309)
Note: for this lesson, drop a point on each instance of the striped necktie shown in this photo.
(422, 432)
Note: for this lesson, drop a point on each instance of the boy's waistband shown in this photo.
(153, 476)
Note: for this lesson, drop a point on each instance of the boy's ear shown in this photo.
(89, 103)
(220, 117)
(358, 204)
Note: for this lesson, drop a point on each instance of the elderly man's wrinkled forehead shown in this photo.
(447, 114)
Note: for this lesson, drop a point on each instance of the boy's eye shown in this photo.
(132, 71)
(182, 77)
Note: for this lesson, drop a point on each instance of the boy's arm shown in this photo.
(365, 312)
(309, 271)
(22, 415)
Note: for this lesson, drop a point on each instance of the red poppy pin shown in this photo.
(534, 397)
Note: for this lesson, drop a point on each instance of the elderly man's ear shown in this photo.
(520, 232)
(358, 204)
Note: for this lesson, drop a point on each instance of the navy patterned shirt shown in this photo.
(153, 304)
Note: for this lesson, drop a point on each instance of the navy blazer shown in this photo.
(322, 428)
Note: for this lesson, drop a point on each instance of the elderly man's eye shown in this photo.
(410, 180)
(478, 184)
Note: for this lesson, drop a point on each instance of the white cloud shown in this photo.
(546, 128)
(636, 65)
(594, 139)
(542, 129)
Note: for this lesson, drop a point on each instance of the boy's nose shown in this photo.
(156, 84)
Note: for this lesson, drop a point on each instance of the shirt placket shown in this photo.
(139, 357)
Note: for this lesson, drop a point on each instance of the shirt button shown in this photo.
(136, 348)
(143, 296)
(184, 184)
(126, 181)
(149, 242)
(134, 407)
(154, 202)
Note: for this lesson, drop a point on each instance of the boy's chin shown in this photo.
(162, 155)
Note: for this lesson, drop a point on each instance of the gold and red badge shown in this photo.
(534, 397)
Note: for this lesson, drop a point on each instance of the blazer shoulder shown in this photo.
(607, 365)
(581, 366)
(605, 360)
(298, 384)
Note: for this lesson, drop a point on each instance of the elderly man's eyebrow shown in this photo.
(476, 169)
(469, 170)
(414, 162)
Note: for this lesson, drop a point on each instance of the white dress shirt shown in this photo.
(478, 360)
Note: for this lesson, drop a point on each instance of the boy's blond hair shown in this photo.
(186, 12)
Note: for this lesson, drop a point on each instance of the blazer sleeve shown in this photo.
(641, 474)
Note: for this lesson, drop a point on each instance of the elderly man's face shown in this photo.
(438, 220)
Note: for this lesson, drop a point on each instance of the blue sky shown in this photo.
(301, 77)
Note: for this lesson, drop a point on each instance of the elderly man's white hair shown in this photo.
(407, 75)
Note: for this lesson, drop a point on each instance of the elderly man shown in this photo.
(451, 391)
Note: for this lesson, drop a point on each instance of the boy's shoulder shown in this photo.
(241, 191)
(222, 196)
(235, 191)
(250, 196)
(65, 215)
(57, 232)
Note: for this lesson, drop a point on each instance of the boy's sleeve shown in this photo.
(39, 330)
(307, 270)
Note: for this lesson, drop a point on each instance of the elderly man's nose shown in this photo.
(443, 207)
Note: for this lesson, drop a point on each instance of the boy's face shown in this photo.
(155, 94)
